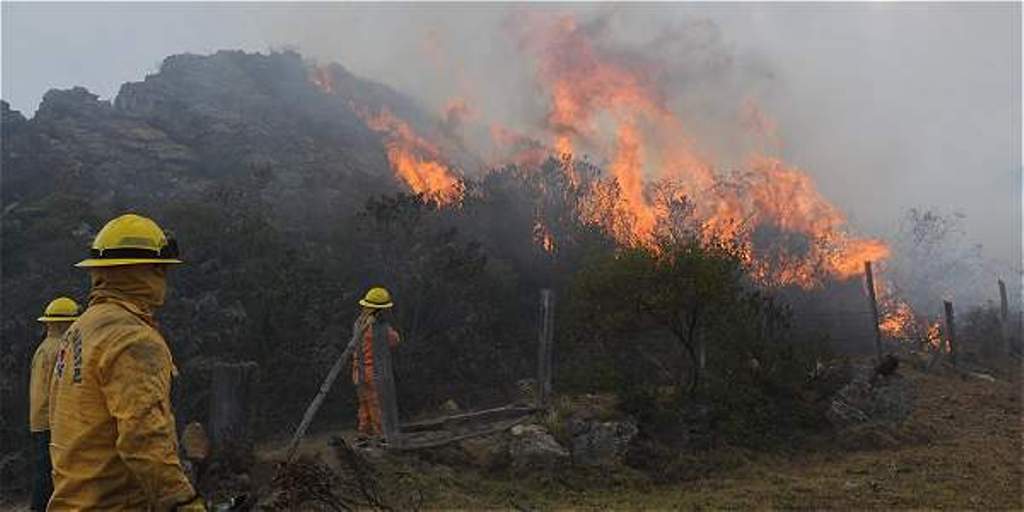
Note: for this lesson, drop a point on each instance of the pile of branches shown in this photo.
(306, 484)
(309, 484)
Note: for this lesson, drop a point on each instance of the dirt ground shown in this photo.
(960, 449)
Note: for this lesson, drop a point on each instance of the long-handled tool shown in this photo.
(314, 406)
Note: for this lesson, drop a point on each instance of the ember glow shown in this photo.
(898, 320)
(542, 237)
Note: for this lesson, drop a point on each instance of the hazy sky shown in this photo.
(888, 106)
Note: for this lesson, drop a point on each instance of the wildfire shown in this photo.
(615, 104)
(603, 102)
(897, 320)
(542, 237)
(321, 78)
(414, 159)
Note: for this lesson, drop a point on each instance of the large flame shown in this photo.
(614, 105)
(414, 159)
(604, 103)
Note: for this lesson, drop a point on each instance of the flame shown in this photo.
(322, 79)
(628, 158)
(609, 103)
(512, 146)
(414, 159)
(897, 321)
(933, 335)
(613, 104)
(542, 237)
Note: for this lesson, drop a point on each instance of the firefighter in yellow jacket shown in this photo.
(57, 316)
(113, 440)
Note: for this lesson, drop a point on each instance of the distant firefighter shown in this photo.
(377, 336)
(57, 317)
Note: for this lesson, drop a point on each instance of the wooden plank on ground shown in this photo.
(423, 440)
(483, 416)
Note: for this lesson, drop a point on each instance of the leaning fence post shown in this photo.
(874, 309)
(950, 331)
(1004, 317)
(230, 388)
(546, 337)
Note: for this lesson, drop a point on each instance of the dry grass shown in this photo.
(961, 449)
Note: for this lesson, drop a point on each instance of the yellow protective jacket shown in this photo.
(113, 441)
(39, 384)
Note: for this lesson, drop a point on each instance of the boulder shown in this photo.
(872, 397)
(600, 443)
(532, 446)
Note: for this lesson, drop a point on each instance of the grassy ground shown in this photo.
(961, 449)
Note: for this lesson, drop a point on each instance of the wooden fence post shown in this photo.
(1004, 318)
(950, 331)
(229, 404)
(546, 340)
(321, 394)
(874, 309)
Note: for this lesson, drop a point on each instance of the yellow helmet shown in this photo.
(61, 309)
(377, 298)
(131, 240)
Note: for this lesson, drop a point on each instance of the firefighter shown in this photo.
(113, 440)
(57, 317)
(376, 301)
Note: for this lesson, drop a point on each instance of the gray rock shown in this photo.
(601, 443)
(887, 399)
(532, 446)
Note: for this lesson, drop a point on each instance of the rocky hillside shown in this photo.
(199, 120)
(260, 173)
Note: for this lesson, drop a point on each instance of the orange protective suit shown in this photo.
(113, 439)
(362, 377)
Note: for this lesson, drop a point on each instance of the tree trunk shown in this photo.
(695, 373)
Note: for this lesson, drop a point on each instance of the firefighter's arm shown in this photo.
(393, 337)
(135, 376)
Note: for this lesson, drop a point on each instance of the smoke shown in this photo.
(885, 106)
